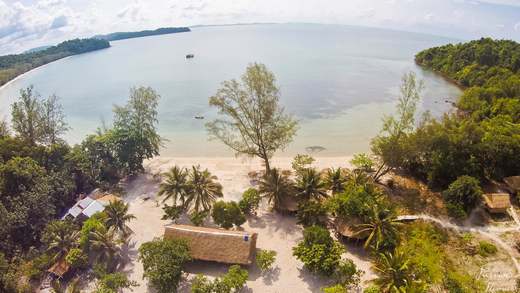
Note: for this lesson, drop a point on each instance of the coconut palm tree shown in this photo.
(60, 237)
(106, 244)
(203, 190)
(175, 186)
(275, 186)
(335, 180)
(381, 225)
(118, 216)
(393, 270)
(310, 185)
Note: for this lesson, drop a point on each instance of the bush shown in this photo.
(311, 213)
(265, 259)
(227, 214)
(335, 289)
(94, 223)
(362, 162)
(486, 249)
(301, 162)
(463, 194)
(318, 251)
(233, 281)
(172, 212)
(76, 258)
(198, 218)
(113, 283)
(372, 289)
(163, 263)
(347, 274)
(250, 201)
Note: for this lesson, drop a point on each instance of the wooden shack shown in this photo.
(59, 269)
(497, 203)
(348, 229)
(219, 245)
(513, 184)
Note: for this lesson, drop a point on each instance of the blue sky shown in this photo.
(25, 24)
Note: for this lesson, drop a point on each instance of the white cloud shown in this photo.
(27, 25)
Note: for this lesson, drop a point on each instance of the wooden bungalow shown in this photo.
(513, 184)
(348, 229)
(59, 269)
(497, 203)
(219, 245)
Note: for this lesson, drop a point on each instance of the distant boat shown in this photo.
(199, 117)
(189, 56)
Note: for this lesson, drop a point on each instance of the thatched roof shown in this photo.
(347, 229)
(108, 198)
(513, 182)
(234, 247)
(60, 268)
(497, 202)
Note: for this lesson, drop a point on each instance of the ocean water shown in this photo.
(338, 81)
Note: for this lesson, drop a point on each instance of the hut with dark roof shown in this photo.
(348, 229)
(219, 245)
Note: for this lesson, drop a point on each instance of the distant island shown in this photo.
(129, 35)
(14, 65)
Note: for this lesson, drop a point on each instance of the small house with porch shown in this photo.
(497, 203)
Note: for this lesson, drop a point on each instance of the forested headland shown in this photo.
(16, 64)
(482, 138)
(129, 35)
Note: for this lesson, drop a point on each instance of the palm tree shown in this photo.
(335, 180)
(60, 237)
(105, 243)
(394, 273)
(381, 225)
(175, 186)
(275, 186)
(203, 190)
(310, 185)
(118, 216)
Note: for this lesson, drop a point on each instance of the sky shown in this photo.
(25, 24)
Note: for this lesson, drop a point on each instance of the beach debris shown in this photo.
(315, 149)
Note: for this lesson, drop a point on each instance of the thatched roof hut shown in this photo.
(513, 183)
(348, 229)
(497, 202)
(234, 247)
(60, 268)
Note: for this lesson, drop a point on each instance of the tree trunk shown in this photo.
(267, 166)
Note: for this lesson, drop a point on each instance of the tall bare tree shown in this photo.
(253, 123)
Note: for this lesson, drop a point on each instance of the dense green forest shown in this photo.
(128, 35)
(41, 176)
(482, 137)
(13, 65)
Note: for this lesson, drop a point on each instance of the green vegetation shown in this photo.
(250, 201)
(254, 124)
(13, 65)
(163, 262)
(128, 35)
(276, 186)
(486, 249)
(462, 196)
(113, 283)
(265, 259)
(311, 213)
(482, 138)
(310, 185)
(227, 214)
(233, 281)
(301, 163)
(175, 185)
(318, 251)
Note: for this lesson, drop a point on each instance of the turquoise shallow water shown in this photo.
(337, 80)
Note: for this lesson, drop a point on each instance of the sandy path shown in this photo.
(276, 232)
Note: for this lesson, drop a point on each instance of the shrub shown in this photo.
(113, 283)
(172, 212)
(265, 259)
(347, 274)
(227, 214)
(94, 223)
(362, 162)
(318, 251)
(372, 289)
(463, 195)
(198, 218)
(250, 201)
(301, 162)
(311, 213)
(76, 258)
(335, 289)
(163, 263)
(486, 249)
(233, 281)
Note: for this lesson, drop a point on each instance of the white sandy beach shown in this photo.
(276, 232)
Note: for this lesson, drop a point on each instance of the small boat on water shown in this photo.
(199, 117)
(189, 56)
